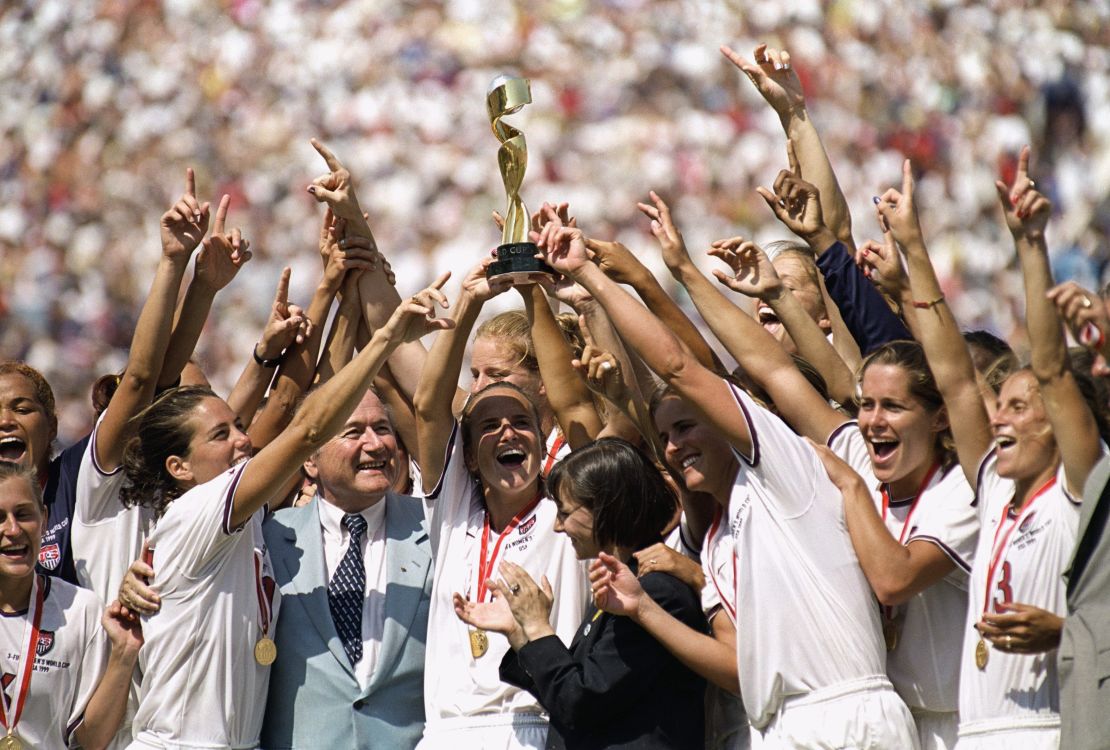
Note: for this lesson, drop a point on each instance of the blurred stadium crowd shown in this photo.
(105, 102)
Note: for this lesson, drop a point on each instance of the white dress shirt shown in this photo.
(336, 539)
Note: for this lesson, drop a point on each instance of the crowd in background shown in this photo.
(104, 102)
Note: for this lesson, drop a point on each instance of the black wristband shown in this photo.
(267, 363)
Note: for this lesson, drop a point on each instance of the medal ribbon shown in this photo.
(27, 651)
(265, 605)
(998, 548)
(888, 612)
(556, 446)
(486, 567)
(729, 607)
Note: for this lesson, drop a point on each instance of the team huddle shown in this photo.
(856, 538)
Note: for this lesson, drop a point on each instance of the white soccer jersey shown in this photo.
(679, 538)
(106, 537)
(201, 685)
(455, 683)
(1027, 555)
(718, 564)
(924, 667)
(555, 449)
(70, 656)
(806, 617)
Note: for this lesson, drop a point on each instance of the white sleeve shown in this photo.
(97, 493)
(94, 661)
(988, 483)
(196, 527)
(787, 465)
(710, 600)
(450, 499)
(847, 442)
(949, 520)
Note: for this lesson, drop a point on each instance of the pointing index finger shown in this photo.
(221, 214)
(282, 294)
(793, 158)
(190, 182)
(329, 157)
(907, 178)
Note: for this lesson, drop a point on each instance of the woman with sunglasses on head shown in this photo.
(615, 686)
(485, 504)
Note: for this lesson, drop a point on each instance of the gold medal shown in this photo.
(981, 654)
(479, 643)
(265, 651)
(890, 633)
(10, 742)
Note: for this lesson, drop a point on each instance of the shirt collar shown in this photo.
(331, 517)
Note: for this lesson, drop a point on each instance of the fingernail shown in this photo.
(312, 189)
(875, 199)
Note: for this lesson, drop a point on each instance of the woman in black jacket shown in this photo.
(616, 686)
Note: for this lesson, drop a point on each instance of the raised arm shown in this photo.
(774, 78)
(326, 409)
(1026, 212)
(182, 228)
(938, 332)
(217, 263)
(285, 323)
(434, 399)
(565, 249)
(624, 268)
(753, 348)
(754, 275)
(567, 393)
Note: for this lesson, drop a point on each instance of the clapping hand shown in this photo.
(615, 587)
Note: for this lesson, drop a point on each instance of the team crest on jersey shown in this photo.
(1026, 523)
(46, 642)
(525, 527)
(50, 556)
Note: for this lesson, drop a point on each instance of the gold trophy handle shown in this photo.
(506, 96)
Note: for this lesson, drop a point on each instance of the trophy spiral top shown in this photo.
(508, 94)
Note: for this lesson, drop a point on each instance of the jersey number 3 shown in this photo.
(1004, 588)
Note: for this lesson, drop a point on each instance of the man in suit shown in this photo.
(355, 572)
(1085, 641)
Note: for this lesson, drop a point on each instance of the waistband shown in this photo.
(481, 721)
(874, 683)
(1010, 724)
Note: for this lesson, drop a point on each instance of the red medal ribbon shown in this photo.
(888, 612)
(729, 606)
(998, 548)
(556, 446)
(486, 567)
(26, 663)
(265, 604)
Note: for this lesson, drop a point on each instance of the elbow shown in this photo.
(675, 364)
(893, 593)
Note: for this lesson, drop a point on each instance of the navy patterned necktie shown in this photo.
(348, 588)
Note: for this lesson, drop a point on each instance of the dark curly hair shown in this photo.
(161, 430)
(43, 392)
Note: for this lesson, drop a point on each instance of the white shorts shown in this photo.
(1002, 734)
(936, 730)
(862, 714)
(515, 731)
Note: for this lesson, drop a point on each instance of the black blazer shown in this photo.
(617, 687)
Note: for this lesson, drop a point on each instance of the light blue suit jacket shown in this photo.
(315, 700)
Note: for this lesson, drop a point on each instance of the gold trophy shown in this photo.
(516, 256)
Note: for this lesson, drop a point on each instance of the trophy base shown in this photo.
(518, 262)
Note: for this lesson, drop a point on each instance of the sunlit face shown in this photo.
(792, 270)
(25, 432)
(218, 443)
(577, 522)
(1022, 433)
(491, 361)
(21, 522)
(355, 468)
(900, 430)
(505, 447)
(701, 456)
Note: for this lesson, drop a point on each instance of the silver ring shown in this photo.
(1009, 641)
(514, 589)
(1086, 302)
(607, 366)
